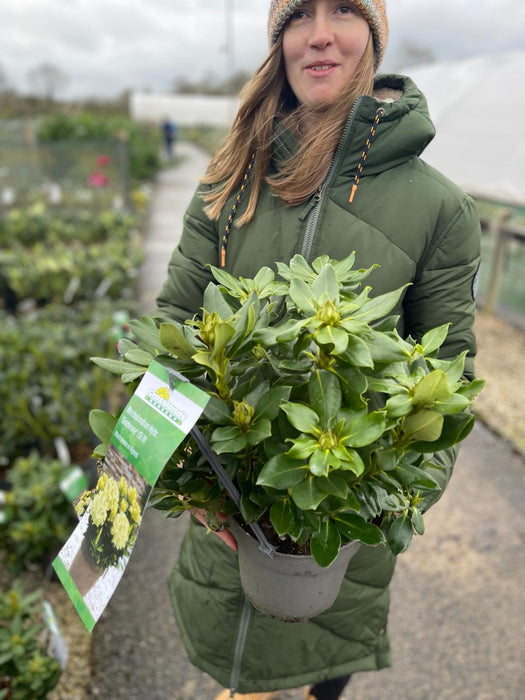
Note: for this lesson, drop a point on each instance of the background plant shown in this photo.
(24, 660)
(40, 517)
(47, 384)
(144, 141)
(328, 420)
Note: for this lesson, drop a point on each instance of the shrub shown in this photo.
(40, 517)
(28, 672)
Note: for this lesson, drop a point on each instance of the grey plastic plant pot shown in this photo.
(287, 587)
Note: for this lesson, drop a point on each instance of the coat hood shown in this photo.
(403, 131)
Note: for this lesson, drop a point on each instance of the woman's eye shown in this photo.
(298, 14)
(346, 9)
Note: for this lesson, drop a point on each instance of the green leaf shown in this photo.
(325, 395)
(128, 377)
(380, 306)
(353, 463)
(321, 461)
(217, 411)
(308, 495)
(398, 406)
(365, 429)
(244, 323)
(302, 296)
(175, 342)
(102, 424)
(472, 389)
(224, 332)
(214, 301)
(116, 366)
(229, 282)
(417, 522)
(302, 447)
(413, 476)
(432, 387)
(299, 267)
(455, 429)
(281, 472)
(424, 425)
(259, 430)
(100, 451)
(147, 334)
(453, 368)
(225, 432)
(251, 511)
(139, 357)
(301, 417)
(325, 544)
(204, 358)
(270, 402)
(282, 517)
(357, 353)
(400, 534)
(455, 404)
(385, 348)
(327, 284)
(354, 527)
(434, 339)
(335, 485)
(336, 338)
(233, 444)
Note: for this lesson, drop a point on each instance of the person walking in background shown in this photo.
(169, 135)
(323, 158)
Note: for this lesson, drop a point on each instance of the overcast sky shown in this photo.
(107, 46)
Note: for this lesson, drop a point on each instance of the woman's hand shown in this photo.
(225, 535)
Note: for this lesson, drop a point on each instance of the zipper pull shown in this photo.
(312, 202)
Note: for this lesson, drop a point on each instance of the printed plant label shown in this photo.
(159, 415)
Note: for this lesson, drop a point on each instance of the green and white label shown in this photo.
(159, 415)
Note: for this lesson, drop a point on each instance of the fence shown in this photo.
(502, 274)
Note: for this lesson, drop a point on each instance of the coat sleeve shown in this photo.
(444, 288)
(188, 270)
(444, 292)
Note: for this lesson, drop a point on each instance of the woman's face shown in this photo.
(323, 43)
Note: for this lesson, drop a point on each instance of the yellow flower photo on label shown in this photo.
(120, 531)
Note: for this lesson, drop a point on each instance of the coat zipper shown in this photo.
(311, 213)
(313, 207)
(240, 643)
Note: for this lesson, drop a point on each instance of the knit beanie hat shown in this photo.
(374, 11)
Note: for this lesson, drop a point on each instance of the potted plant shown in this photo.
(322, 415)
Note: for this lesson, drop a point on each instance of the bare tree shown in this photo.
(47, 80)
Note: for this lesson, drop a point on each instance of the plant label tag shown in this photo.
(4, 513)
(73, 483)
(159, 415)
(57, 643)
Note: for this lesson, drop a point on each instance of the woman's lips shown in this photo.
(321, 69)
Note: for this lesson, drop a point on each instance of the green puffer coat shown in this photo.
(421, 229)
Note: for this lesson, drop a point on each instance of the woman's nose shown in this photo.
(321, 34)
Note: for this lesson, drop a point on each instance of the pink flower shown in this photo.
(97, 179)
(102, 161)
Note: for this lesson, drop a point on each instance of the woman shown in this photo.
(323, 158)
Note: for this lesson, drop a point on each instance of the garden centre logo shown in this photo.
(160, 400)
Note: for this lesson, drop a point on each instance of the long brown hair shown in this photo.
(264, 97)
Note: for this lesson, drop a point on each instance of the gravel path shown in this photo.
(457, 595)
(501, 362)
